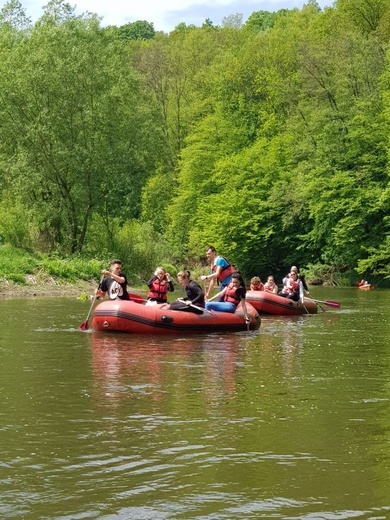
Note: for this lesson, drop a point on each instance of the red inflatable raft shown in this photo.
(138, 318)
(269, 303)
(366, 287)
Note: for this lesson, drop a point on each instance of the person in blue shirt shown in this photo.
(220, 271)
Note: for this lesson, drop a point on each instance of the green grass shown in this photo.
(16, 265)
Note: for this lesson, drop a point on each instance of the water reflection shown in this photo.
(138, 366)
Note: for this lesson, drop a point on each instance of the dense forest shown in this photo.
(268, 139)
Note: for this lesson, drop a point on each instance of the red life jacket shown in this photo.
(225, 272)
(259, 287)
(231, 295)
(292, 286)
(159, 290)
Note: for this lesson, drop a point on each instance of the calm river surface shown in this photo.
(289, 422)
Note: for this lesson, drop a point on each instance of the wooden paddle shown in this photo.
(329, 303)
(84, 325)
(302, 300)
(194, 306)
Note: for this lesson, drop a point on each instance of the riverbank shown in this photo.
(53, 288)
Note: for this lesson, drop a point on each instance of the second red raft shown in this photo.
(269, 303)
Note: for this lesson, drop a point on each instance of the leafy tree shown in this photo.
(73, 121)
(262, 20)
(233, 21)
(139, 30)
(15, 16)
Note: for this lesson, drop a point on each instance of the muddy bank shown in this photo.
(51, 287)
(9, 289)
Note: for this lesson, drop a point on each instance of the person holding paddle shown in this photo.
(220, 270)
(194, 302)
(115, 285)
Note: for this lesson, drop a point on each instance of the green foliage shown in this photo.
(233, 21)
(139, 30)
(156, 194)
(378, 260)
(269, 140)
(261, 20)
(16, 227)
(17, 260)
(16, 264)
(74, 122)
(72, 269)
(321, 273)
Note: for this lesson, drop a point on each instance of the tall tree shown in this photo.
(75, 120)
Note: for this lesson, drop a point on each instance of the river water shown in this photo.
(288, 422)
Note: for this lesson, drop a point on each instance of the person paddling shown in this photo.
(194, 301)
(115, 285)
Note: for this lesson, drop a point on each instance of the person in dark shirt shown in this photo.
(194, 295)
(115, 285)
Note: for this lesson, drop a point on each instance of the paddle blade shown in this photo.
(84, 325)
(332, 303)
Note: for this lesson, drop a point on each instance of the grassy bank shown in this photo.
(20, 267)
(24, 273)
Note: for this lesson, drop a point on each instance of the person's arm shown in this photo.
(170, 285)
(218, 295)
(211, 284)
(244, 308)
(301, 293)
(241, 293)
(149, 284)
(119, 279)
(212, 278)
(199, 294)
(101, 290)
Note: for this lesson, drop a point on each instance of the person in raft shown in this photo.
(293, 288)
(256, 284)
(232, 295)
(220, 270)
(159, 285)
(115, 285)
(194, 295)
(293, 268)
(270, 285)
(301, 277)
